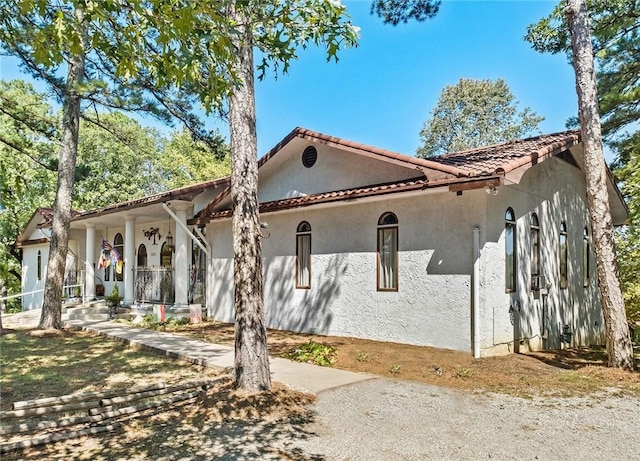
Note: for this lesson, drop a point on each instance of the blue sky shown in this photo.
(381, 92)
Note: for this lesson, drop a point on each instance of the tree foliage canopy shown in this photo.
(401, 11)
(118, 160)
(615, 28)
(474, 113)
(26, 151)
(628, 238)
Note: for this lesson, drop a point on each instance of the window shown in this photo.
(387, 271)
(510, 250)
(39, 265)
(118, 245)
(563, 254)
(536, 279)
(303, 255)
(166, 255)
(142, 256)
(586, 263)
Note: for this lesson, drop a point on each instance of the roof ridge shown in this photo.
(412, 160)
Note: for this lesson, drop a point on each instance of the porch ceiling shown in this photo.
(117, 218)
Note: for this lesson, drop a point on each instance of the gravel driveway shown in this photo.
(394, 420)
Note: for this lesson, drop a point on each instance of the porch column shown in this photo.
(129, 258)
(89, 262)
(181, 274)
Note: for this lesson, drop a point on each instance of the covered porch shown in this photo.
(156, 258)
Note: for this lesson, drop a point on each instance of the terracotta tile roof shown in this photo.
(44, 216)
(47, 215)
(429, 168)
(211, 206)
(415, 184)
(485, 161)
(182, 193)
(505, 157)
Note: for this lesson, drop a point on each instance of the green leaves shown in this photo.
(396, 11)
(475, 113)
(313, 352)
(616, 42)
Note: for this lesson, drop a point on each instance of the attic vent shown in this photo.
(568, 157)
(309, 156)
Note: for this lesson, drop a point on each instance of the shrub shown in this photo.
(395, 369)
(313, 352)
(114, 299)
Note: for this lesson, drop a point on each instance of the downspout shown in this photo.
(188, 231)
(475, 293)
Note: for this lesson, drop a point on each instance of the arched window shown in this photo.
(536, 279)
(39, 265)
(387, 269)
(142, 256)
(166, 255)
(118, 245)
(563, 251)
(510, 250)
(586, 262)
(303, 255)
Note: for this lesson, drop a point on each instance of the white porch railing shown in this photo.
(154, 285)
(197, 285)
(65, 289)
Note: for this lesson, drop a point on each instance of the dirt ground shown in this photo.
(566, 372)
(230, 424)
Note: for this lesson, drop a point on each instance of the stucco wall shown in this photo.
(555, 191)
(432, 305)
(30, 281)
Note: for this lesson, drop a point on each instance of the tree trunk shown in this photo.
(251, 355)
(618, 341)
(51, 317)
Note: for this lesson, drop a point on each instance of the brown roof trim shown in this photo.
(182, 193)
(47, 216)
(485, 162)
(207, 210)
(357, 148)
(21, 244)
(353, 194)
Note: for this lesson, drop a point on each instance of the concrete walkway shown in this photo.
(300, 376)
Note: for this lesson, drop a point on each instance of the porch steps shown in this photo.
(94, 311)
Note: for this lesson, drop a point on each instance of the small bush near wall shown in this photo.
(313, 352)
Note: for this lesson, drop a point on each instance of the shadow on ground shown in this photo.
(225, 425)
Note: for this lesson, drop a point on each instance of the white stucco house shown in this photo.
(486, 251)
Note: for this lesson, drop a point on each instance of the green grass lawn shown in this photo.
(36, 364)
(43, 365)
